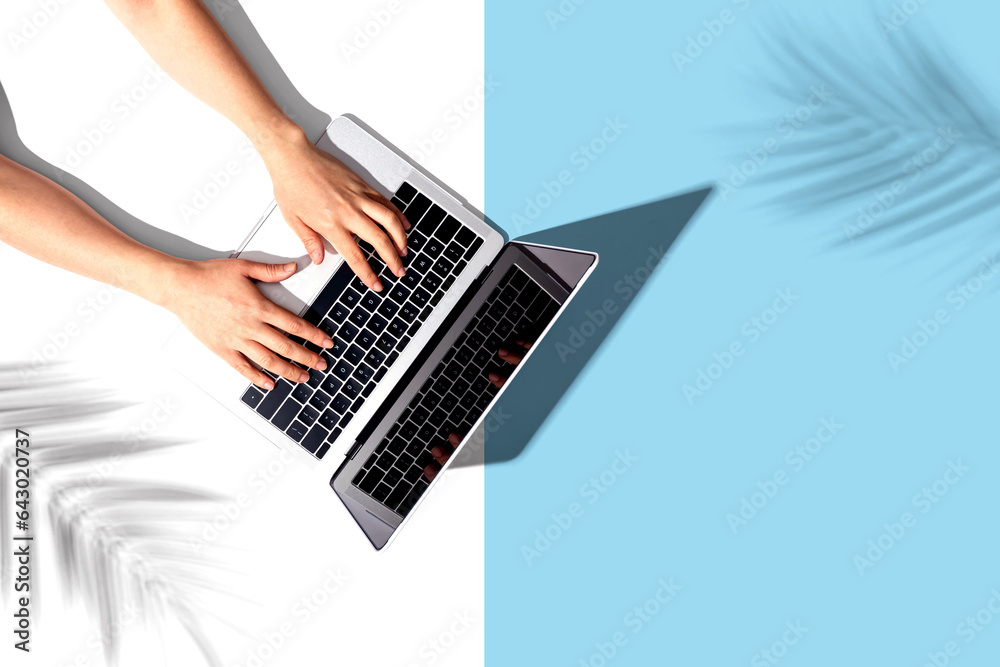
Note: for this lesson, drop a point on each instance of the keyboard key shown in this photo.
(274, 398)
(252, 397)
(430, 222)
(352, 388)
(365, 339)
(371, 480)
(454, 252)
(359, 317)
(325, 447)
(415, 241)
(339, 312)
(331, 385)
(443, 267)
(421, 263)
(346, 419)
(398, 328)
(377, 324)
(374, 358)
(397, 496)
(474, 248)
(317, 434)
(447, 229)
(309, 415)
(354, 354)
(340, 404)
(406, 192)
(296, 430)
(302, 393)
(348, 332)
(381, 492)
(369, 388)
(386, 343)
(286, 414)
(370, 300)
(420, 297)
(409, 312)
(465, 236)
(343, 369)
(415, 209)
(412, 278)
(350, 298)
(399, 294)
(393, 476)
(388, 309)
(434, 248)
(430, 282)
(364, 372)
(329, 419)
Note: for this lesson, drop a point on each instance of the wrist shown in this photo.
(163, 280)
(276, 138)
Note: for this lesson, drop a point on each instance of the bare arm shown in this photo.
(317, 194)
(216, 300)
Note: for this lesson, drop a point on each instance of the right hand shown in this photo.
(219, 303)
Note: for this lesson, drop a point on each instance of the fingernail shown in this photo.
(436, 452)
(321, 365)
(290, 266)
(327, 342)
(494, 377)
(304, 377)
(269, 385)
(317, 258)
(377, 286)
(502, 352)
(403, 253)
(400, 272)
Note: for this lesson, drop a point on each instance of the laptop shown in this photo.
(415, 368)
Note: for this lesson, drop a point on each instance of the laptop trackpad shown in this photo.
(274, 242)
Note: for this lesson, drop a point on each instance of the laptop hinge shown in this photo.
(353, 451)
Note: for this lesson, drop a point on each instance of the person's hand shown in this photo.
(441, 454)
(320, 197)
(513, 355)
(219, 303)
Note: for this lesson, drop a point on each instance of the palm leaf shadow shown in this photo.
(908, 140)
(122, 545)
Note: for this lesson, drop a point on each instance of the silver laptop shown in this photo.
(414, 368)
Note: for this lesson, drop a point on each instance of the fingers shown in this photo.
(509, 356)
(311, 240)
(356, 259)
(496, 380)
(268, 359)
(386, 249)
(267, 273)
(296, 326)
(249, 371)
(440, 455)
(392, 207)
(273, 340)
(390, 220)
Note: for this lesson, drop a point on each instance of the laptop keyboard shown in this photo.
(457, 393)
(369, 329)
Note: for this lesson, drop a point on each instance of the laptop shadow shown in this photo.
(631, 243)
(235, 22)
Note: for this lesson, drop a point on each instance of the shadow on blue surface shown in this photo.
(631, 243)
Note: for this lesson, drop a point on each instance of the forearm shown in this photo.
(184, 38)
(42, 219)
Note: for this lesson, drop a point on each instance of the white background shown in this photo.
(291, 530)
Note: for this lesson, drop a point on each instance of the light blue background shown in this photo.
(826, 357)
